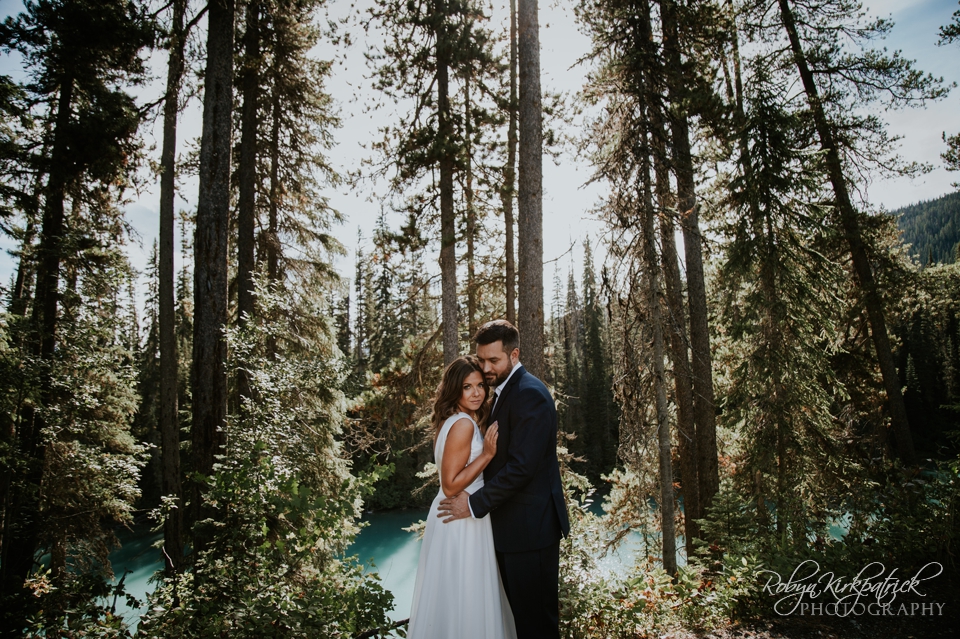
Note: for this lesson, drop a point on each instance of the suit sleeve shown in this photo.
(532, 432)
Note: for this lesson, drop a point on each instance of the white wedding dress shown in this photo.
(458, 592)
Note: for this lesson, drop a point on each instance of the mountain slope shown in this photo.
(932, 228)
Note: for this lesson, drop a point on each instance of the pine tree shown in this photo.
(950, 34)
(571, 380)
(777, 282)
(296, 123)
(385, 337)
(167, 340)
(427, 49)
(249, 82)
(530, 188)
(509, 176)
(209, 379)
(653, 78)
(685, 88)
(146, 425)
(813, 40)
(80, 54)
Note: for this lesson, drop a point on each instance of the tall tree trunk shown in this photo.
(471, 214)
(508, 191)
(18, 308)
(702, 365)
(169, 426)
(530, 191)
(18, 297)
(652, 269)
(276, 191)
(272, 239)
(771, 326)
(854, 237)
(210, 256)
(682, 376)
(246, 207)
(448, 233)
(675, 319)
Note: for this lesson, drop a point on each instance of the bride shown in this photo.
(458, 591)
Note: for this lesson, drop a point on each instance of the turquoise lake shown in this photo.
(394, 552)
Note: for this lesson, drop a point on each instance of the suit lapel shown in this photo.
(505, 393)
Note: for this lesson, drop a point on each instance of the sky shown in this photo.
(568, 200)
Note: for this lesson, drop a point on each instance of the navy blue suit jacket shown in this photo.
(522, 491)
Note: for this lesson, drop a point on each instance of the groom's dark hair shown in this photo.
(498, 330)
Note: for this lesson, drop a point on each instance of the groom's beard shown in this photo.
(498, 380)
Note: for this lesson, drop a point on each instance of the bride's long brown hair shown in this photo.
(450, 390)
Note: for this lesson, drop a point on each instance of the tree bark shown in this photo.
(169, 425)
(530, 191)
(21, 528)
(276, 191)
(448, 235)
(651, 267)
(704, 403)
(17, 307)
(246, 206)
(682, 376)
(853, 234)
(471, 214)
(271, 241)
(18, 299)
(510, 174)
(210, 256)
(675, 319)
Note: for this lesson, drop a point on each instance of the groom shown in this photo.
(522, 489)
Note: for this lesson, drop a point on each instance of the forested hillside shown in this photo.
(932, 229)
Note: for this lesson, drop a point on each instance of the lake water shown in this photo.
(394, 552)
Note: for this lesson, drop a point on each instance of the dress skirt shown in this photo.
(458, 592)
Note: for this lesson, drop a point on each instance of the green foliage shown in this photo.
(297, 117)
(645, 601)
(903, 521)
(93, 463)
(389, 424)
(92, 466)
(395, 367)
(950, 34)
(910, 520)
(928, 326)
(92, 49)
(581, 372)
(777, 285)
(84, 608)
(932, 229)
(414, 36)
(285, 506)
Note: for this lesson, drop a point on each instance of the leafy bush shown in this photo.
(285, 506)
(647, 601)
(912, 520)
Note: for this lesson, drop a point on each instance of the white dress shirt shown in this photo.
(499, 389)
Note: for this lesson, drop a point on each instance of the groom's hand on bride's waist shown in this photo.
(456, 507)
